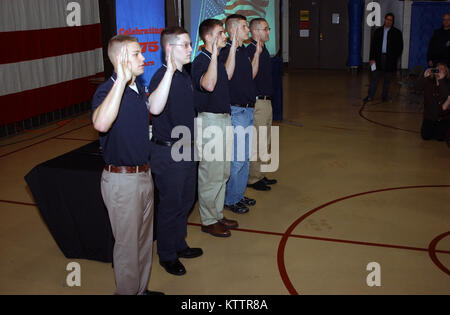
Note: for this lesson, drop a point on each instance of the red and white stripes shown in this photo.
(45, 64)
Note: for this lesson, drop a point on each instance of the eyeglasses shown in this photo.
(264, 29)
(185, 45)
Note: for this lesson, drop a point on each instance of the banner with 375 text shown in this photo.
(143, 19)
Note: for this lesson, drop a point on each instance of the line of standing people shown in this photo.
(229, 85)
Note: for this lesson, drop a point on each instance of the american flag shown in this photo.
(220, 9)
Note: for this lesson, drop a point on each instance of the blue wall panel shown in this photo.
(425, 18)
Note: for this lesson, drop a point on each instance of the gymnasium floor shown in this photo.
(356, 185)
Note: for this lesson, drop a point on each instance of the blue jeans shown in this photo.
(240, 164)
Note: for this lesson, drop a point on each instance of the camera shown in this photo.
(434, 70)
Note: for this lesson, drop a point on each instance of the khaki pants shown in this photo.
(213, 175)
(129, 200)
(263, 117)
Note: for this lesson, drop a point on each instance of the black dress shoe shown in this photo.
(248, 201)
(190, 253)
(269, 181)
(238, 208)
(174, 267)
(259, 185)
(367, 99)
(148, 292)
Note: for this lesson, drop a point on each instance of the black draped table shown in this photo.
(67, 192)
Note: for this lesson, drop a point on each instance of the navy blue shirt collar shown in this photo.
(136, 81)
(229, 43)
(183, 70)
(206, 52)
(254, 43)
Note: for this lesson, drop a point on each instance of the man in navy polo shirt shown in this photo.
(243, 94)
(263, 107)
(120, 114)
(212, 97)
(173, 99)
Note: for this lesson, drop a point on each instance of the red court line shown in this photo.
(432, 252)
(18, 202)
(42, 141)
(390, 112)
(294, 235)
(367, 243)
(246, 230)
(341, 128)
(45, 131)
(282, 245)
(62, 138)
(334, 240)
(361, 110)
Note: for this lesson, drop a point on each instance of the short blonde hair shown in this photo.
(116, 43)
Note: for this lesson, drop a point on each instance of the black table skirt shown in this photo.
(67, 192)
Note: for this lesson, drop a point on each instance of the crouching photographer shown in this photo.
(436, 113)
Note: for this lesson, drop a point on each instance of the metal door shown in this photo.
(333, 36)
(304, 33)
(318, 34)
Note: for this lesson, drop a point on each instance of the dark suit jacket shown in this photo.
(439, 48)
(394, 48)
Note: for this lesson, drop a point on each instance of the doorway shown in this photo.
(318, 34)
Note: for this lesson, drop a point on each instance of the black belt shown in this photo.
(264, 97)
(245, 105)
(161, 142)
(166, 143)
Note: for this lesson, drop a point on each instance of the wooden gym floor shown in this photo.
(356, 185)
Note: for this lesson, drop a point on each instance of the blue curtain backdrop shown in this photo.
(144, 20)
(425, 18)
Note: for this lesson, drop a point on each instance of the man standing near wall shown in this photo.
(439, 46)
(385, 49)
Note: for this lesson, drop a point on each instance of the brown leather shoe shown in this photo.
(216, 229)
(229, 224)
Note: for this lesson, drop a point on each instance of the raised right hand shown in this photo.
(123, 65)
(170, 60)
(215, 45)
(234, 38)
